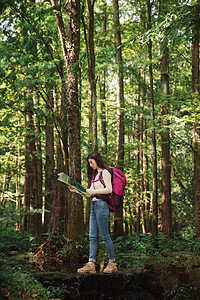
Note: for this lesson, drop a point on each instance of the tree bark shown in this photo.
(103, 91)
(89, 40)
(49, 164)
(166, 219)
(70, 41)
(138, 163)
(196, 126)
(18, 196)
(31, 179)
(154, 150)
(39, 177)
(118, 224)
(145, 160)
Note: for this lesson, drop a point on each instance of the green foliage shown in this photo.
(10, 238)
(184, 291)
(9, 216)
(17, 284)
(72, 252)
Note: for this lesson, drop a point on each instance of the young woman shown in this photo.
(99, 213)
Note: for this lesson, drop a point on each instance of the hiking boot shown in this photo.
(87, 268)
(111, 268)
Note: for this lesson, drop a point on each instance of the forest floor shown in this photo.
(174, 265)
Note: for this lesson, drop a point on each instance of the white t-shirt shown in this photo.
(99, 188)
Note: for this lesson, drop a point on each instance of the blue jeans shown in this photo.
(99, 222)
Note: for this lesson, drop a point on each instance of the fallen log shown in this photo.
(129, 285)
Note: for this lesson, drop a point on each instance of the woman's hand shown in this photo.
(73, 190)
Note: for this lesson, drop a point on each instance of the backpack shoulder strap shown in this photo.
(100, 178)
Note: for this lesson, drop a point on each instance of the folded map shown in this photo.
(73, 183)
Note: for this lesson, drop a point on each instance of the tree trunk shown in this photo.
(196, 126)
(103, 92)
(70, 40)
(60, 205)
(118, 225)
(39, 177)
(49, 165)
(89, 40)
(166, 220)
(18, 196)
(144, 225)
(145, 163)
(30, 184)
(154, 150)
(138, 163)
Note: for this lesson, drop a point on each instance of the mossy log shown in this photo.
(122, 285)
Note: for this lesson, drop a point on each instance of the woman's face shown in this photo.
(92, 163)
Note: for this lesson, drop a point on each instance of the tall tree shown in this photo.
(33, 156)
(70, 41)
(89, 40)
(154, 148)
(138, 161)
(145, 159)
(103, 88)
(31, 178)
(118, 226)
(49, 162)
(196, 126)
(166, 222)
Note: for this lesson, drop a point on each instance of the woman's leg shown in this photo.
(93, 234)
(102, 213)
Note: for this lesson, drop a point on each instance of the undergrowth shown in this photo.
(132, 251)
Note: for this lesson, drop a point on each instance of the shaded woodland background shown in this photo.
(120, 77)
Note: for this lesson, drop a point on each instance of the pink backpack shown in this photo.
(119, 182)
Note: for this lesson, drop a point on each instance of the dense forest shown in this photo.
(78, 77)
(119, 77)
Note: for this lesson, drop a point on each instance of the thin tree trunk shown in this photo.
(18, 196)
(144, 224)
(31, 180)
(145, 164)
(196, 126)
(154, 150)
(166, 225)
(39, 178)
(118, 224)
(147, 195)
(103, 91)
(89, 40)
(138, 208)
(49, 164)
(3, 200)
(120, 87)
(166, 220)
(138, 163)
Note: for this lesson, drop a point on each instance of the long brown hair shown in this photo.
(100, 163)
